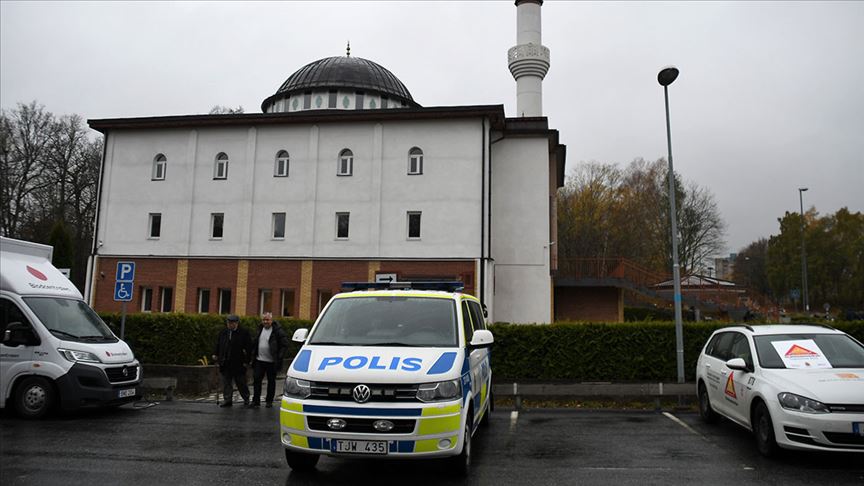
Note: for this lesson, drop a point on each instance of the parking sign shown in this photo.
(125, 271)
(123, 291)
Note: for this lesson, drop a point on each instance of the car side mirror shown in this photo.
(482, 339)
(18, 333)
(738, 364)
(300, 335)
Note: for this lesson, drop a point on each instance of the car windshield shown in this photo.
(839, 349)
(388, 321)
(70, 320)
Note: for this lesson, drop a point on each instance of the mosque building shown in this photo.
(342, 177)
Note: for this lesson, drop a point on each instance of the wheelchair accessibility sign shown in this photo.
(123, 291)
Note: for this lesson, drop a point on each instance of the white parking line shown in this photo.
(682, 424)
(514, 416)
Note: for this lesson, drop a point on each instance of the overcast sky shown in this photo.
(770, 96)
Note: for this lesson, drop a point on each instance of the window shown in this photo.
(342, 225)
(9, 313)
(331, 101)
(217, 220)
(413, 225)
(307, 100)
(221, 169)
(346, 163)
(466, 322)
(279, 226)
(203, 301)
(159, 167)
(146, 294)
(155, 225)
(324, 296)
(358, 101)
(415, 161)
(166, 299)
(265, 301)
(287, 303)
(384, 102)
(281, 168)
(476, 315)
(224, 301)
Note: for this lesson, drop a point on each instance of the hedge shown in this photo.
(629, 351)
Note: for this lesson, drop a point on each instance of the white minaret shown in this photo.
(529, 59)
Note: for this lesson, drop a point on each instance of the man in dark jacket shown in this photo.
(268, 352)
(233, 348)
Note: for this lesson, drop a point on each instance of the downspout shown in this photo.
(483, 213)
(91, 260)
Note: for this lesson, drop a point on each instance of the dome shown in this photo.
(344, 75)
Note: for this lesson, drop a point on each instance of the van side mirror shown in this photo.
(18, 333)
(300, 335)
(482, 339)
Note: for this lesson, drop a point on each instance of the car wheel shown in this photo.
(709, 416)
(34, 397)
(461, 464)
(763, 430)
(301, 462)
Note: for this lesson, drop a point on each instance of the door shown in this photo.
(14, 360)
(714, 368)
(739, 382)
(477, 359)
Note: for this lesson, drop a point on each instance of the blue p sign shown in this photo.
(125, 271)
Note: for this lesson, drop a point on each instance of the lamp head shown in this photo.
(667, 75)
(802, 189)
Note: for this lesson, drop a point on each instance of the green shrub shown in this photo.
(630, 351)
(183, 339)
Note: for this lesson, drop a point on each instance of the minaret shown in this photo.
(529, 59)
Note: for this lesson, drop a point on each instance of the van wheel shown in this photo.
(763, 430)
(709, 416)
(34, 397)
(461, 464)
(301, 462)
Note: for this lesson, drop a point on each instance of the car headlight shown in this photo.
(295, 388)
(440, 391)
(791, 401)
(79, 356)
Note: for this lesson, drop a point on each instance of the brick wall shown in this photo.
(277, 275)
(600, 304)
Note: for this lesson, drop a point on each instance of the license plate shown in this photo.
(129, 392)
(858, 428)
(359, 446)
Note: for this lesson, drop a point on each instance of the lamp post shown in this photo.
(665, 77)
(803, 252)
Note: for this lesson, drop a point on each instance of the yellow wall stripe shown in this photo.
(306, 289)
(180, 287)
(242, 281)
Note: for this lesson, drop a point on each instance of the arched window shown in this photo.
(220, 171)
(346, 163)
(415, 161)
(160, 165)
(281, 168)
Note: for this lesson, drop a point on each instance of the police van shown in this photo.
(395, 370)
(54, 349)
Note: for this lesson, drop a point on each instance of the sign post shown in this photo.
(123, 287)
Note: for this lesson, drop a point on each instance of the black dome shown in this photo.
(340, 73)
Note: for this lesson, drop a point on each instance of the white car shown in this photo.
(794, 386)
(396, 373)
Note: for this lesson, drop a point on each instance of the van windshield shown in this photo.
(70, 320)
(388, 321)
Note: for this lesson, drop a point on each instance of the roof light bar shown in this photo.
(446, 286)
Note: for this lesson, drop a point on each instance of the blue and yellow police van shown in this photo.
(393, 370)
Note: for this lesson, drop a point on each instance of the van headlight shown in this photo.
(791, 401)
(295, 388)
(440, 391)
(79, 356)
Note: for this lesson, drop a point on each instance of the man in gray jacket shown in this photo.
(268, 351)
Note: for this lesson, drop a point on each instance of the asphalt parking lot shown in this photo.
(186, 442)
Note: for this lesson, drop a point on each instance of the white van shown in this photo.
(54, 349)
(399, 373)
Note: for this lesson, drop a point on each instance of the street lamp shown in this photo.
(665, 77)
(803, 252)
